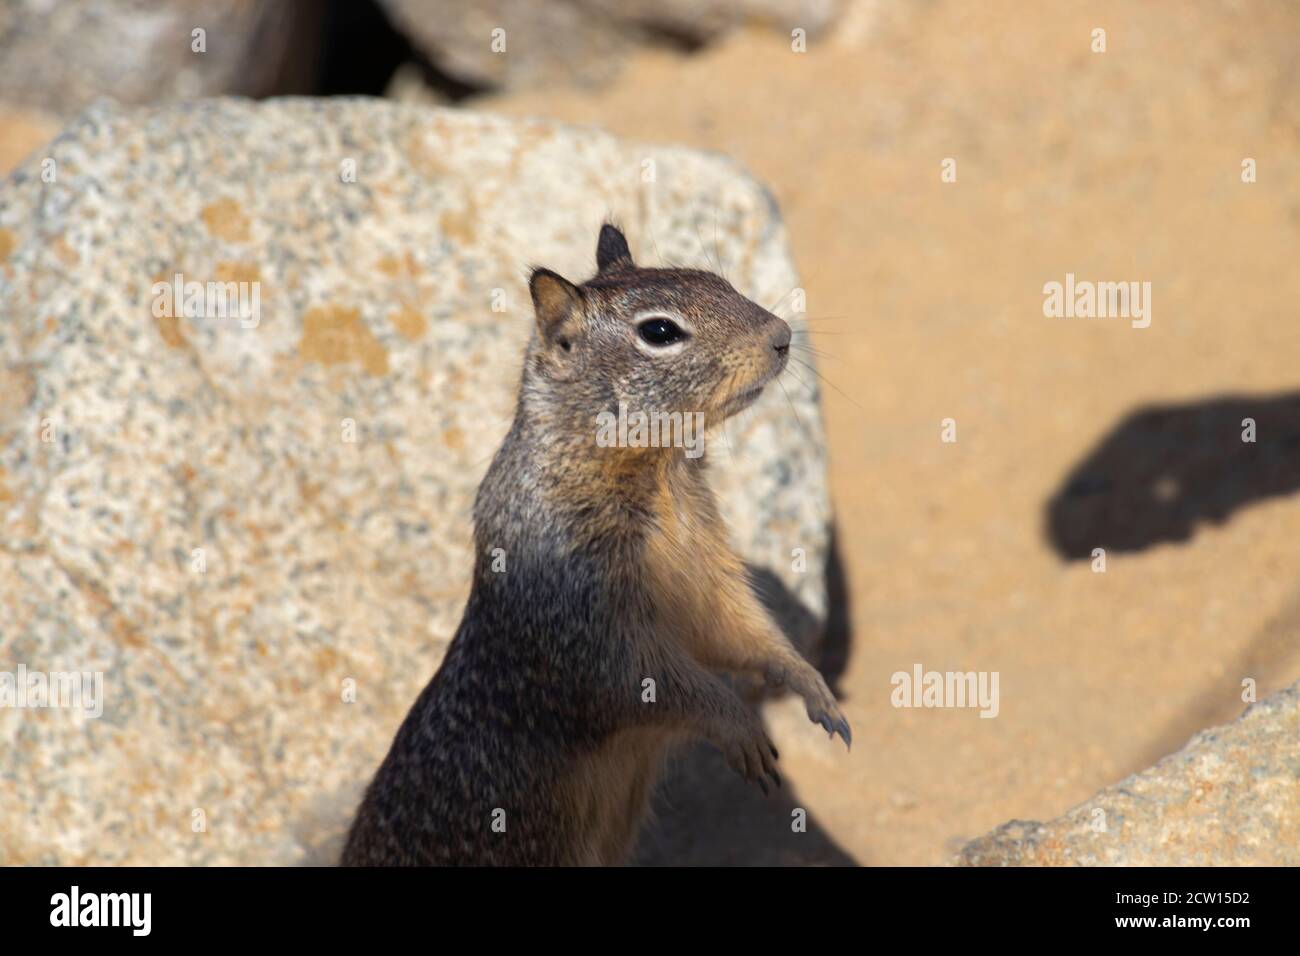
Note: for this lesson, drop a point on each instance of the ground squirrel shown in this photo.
(592, 640)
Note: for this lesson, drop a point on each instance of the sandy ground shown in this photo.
(926, 300)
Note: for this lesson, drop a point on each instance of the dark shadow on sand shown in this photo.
(1159, 474)
(706, 815)
(1162, 471)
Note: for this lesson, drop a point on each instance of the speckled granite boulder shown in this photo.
(180, 506)
(60, 55)
(1231, 797)
(515, 43)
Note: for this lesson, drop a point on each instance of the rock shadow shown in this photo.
(1163, 471)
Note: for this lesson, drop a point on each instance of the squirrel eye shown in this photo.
(660, 331)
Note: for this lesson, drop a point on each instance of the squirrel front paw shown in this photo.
(749, 752)
(802, 678)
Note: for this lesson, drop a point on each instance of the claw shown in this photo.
(772, 747)
(825, 721)
(777, 777)
(763, 784)
(846, 733)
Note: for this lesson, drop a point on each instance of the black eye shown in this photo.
(660, 331)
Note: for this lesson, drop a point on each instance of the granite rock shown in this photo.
(242, 521)
(517, 43)
(60, 55)
(1231, 797)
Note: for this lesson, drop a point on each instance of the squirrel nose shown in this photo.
(781, 338)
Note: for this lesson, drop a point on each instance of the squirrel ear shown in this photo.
(611, 250)
(554, 299)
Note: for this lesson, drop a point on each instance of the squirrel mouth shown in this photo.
(742, 400)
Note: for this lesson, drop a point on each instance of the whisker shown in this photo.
(714, 265)
(654, 242)
(797, 419)
(772, 308)
(830, 383)
(717, 254)
(799, 380)
(812, 351)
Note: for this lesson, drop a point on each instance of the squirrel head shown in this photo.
(659, 340)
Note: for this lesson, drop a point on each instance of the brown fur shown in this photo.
(622, 573)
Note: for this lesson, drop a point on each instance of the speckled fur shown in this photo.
(617, 569)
